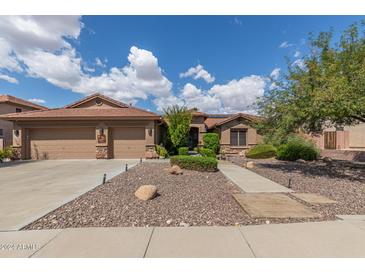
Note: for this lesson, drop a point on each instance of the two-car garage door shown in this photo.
(63, 143)
(79, 143)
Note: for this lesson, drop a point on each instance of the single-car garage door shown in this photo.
(64, 143)
(128, 142)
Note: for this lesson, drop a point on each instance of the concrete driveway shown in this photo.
(29, 190)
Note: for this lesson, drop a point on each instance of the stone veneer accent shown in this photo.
(102, 152)
(17, 153)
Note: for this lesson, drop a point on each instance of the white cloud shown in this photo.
(285, 45)
(37, 101)
(299, 63)
(8, 79)
(38, 46)
(275, 73)
(42, 47)
(235, 96)
(198, 72)
(99, 63)
(297, 54)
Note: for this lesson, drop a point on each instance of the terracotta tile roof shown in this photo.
(4, 98)
(82, 113)
(199, 113)
(210, 122)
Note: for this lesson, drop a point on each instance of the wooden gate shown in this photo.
(330, 140)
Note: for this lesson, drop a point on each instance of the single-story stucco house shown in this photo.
(101, 127)
(11, 104)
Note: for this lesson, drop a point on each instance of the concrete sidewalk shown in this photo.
(249, 181)
(316, 239)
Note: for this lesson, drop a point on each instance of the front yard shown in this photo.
(336, 180)
(205, 198)
(193, 198)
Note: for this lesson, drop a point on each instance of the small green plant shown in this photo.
(261, 152)
(211, 141)
(6, 153)
(195, 162)
(183, 151)
(297, 148)
(161, 151)
(206, 152)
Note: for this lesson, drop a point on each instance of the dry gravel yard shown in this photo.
(193, 198)
(203, 198)
(336, 180)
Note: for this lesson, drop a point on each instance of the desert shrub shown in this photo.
(261, 152)
(211, 141)
(297, 148)
(195, 162)
(206, 152)
(183, 151)
(161, 151)
(6, 153)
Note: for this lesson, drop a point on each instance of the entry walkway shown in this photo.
(308, 240)
(249, 181)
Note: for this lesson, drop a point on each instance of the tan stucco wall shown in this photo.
(225, 132)
(356, 136)
(6, 125)
(100, 149)
(351, 137)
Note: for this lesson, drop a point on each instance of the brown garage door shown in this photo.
(65, 143)
(128, 142)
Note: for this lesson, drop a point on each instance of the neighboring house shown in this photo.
(100, 127)
(346, 138)
(11, 104)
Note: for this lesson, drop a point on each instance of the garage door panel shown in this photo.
(128, 142)
(72, 143)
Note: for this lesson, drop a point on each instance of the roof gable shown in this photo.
(97, 100)
(215, 122)
(4, 98)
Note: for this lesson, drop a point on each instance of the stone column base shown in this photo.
(17, 153)
(101, 152)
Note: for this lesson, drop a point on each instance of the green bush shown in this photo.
(261, 152)
(195, 162)
(211, 141)
(161, 151)
(183, 151)
(297, 148)
(206, 152)
(6, 153)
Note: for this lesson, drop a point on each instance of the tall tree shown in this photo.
(327, 90)
(178, 119)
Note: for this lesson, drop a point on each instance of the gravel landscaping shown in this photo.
(193, 198)
(205, 198)
(337, 180)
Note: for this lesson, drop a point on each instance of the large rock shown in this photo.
(175, 170)
(250, 164)
(146, 192)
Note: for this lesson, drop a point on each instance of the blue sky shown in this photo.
(145, 60)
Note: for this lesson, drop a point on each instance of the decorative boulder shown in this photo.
(327, 159)
(175, 170)
(151, 155)
(250, 164)
(301, 161)
(146, 192)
